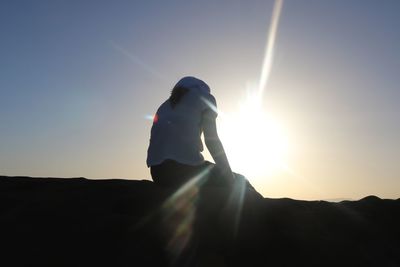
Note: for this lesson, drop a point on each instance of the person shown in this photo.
(175, 159)
(174, 153)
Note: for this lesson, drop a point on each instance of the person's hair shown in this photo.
(176, 94)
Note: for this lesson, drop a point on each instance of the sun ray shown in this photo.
(270, 45)
(255, 141)
(135, 59)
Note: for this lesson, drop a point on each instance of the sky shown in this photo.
(78, 80)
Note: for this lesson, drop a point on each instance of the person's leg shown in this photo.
(167, 173)
(179, 212)
(172, 173)
(216, 177)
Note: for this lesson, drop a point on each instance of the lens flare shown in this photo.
(179, 214)
(270, 45)
(137, 61)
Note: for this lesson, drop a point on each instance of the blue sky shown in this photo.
(78, 78)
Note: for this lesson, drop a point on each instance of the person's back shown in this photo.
(174, 153)
(176, 130)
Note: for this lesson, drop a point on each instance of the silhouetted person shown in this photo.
(175, 160)
(174, 154)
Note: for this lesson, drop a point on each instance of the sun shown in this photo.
(255, 142)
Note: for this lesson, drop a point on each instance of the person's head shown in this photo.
(184, 85)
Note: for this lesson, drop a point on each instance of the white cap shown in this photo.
(193, 83)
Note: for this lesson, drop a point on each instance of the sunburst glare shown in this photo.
(254, 140)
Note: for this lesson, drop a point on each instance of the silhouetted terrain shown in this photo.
(81, 222)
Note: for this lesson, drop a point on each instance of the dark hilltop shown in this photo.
(115, 222)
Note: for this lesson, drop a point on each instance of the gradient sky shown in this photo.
(78, 78)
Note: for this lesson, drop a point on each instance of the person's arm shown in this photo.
(214, 144)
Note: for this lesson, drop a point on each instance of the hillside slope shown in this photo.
(81, 222)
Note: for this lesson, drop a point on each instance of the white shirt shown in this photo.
(176, 132)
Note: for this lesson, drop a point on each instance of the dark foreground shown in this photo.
(80, 222)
